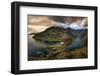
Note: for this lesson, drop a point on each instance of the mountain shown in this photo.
(63, 42)
(53, 34)
(59, 33)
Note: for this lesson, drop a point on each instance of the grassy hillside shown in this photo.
(57, 35)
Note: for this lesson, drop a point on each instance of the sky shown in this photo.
(39, 23)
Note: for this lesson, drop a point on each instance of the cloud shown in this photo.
(40, 23)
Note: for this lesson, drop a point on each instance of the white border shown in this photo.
(26, 65)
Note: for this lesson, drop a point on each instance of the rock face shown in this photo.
(62, 43)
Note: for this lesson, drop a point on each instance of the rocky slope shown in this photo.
(63, 43)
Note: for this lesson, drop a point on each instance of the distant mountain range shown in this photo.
(73, 26)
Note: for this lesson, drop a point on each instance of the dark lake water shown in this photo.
(76, 44)
(35, 48)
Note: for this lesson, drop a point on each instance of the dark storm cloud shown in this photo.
(53, 20)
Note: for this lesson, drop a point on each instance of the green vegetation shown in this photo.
(57, 35)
